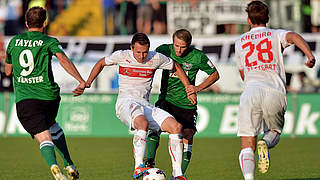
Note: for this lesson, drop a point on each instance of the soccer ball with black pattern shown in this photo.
(154, 174)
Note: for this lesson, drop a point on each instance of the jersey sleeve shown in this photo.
(114, 58)
(206, 65)
(237, 56)
(55, 47)
(282, 37)
(165, 62)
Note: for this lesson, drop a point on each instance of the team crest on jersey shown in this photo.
(186, 66)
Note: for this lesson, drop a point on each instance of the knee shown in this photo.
(176, 128)
(141, 123)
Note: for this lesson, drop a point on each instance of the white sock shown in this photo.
(247, 163)
(175, 151)
(139, 146)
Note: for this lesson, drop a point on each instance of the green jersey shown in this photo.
(30, 54)
(172, 89)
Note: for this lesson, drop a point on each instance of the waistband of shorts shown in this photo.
(266, 88)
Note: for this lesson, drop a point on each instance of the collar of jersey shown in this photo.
(257, 28)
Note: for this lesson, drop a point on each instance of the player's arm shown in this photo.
(185, 81)
(211, 79)
(97, 68)
(177, 69)
(7, 69)
(67, 64)
(241, 74)
(294, 38)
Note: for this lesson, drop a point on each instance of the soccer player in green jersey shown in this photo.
(173, 97)
(37, 95)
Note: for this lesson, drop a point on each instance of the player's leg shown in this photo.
(32, 115)
(46, 147)
(271, 137)
(269, 140)
(246, 156)
(59, 141)
(187, 148)
(58, 138)
(132, 114)
(273, 114)
(47, 151)
(249, 126)
(174, 128)
(153, 140)
(188, 118)
(139, 144)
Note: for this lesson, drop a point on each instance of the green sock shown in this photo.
(47, 151)
(153, 140)
(186, 156)
(62, 148)
(59, 141)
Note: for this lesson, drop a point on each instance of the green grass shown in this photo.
(111, 159)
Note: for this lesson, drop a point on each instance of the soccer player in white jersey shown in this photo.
(263, 100)
(136, 70)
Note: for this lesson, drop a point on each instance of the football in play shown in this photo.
(154, 174)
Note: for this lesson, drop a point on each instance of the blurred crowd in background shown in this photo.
(126, 17)
(118, 17)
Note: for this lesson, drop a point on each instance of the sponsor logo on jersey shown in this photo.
(136, 72)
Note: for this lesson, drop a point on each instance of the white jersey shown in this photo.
(259, 53)
(135, 79)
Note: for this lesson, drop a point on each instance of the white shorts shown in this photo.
(261, 109)
(128, 109)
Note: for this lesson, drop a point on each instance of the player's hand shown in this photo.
(79, 90)
(88, 85)
(2, 56)
(193, 98)
(191, 89)
(310, 63)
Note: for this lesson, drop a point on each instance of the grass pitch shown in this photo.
(112, 159)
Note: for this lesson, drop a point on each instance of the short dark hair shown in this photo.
(184, 35)
(258, 12)
(140, 38)
(35, 17)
